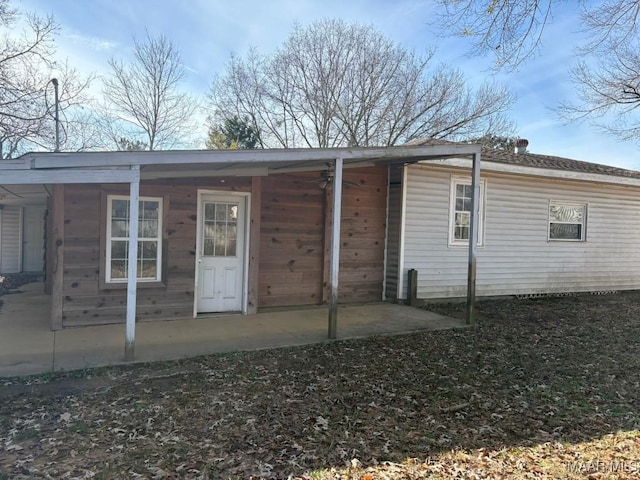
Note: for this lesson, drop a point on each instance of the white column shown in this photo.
(335, 250)
(132, 271)
(473, 238)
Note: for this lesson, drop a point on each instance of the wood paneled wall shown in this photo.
(291, 268)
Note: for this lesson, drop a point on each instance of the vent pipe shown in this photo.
(521, 145)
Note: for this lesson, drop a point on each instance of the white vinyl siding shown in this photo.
(517, 257)
(11, 239)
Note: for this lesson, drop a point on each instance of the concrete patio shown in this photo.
(28, 346)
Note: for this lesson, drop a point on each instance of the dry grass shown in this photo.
(545, 388)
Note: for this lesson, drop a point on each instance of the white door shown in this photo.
(33, 239)
(220, 261)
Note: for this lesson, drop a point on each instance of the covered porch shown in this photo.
(28, 346)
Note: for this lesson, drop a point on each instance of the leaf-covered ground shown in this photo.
(545, 388)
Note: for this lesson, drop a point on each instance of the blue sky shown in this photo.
(207, 31)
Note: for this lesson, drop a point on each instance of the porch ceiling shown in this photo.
(116, 167)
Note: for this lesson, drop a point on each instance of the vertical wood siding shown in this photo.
(291, 245)
(292, 241)
(516, 256)
(85, 302)
(11, 240)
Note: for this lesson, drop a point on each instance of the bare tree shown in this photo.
(145, 95)
(511, 31)
(338, 84)
(27, 65)
(609, 93)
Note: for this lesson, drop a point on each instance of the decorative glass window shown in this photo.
(460, 212)
(220, 232)
(567, 221)
(149, 239)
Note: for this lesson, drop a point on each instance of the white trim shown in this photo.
(246, 253)
(66, 175)
(458, 180)
(583, 230)
(158, 239)
(489, 166)
(49, 160)
(403, 218)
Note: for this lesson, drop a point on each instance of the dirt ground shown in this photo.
(542, 388)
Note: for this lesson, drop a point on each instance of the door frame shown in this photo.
(245, 253)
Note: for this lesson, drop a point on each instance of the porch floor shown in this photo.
(28, 346)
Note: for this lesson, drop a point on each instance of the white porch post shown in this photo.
(132, 271)
(473, 238)
(335, 250)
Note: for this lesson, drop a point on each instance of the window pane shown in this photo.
(148, 228)
(462, 233)
(221, 212)
(209, 211)
(566, 213)
(463, 219)
(149, 209)
(208, 247)
(232, 230)
(219, 247)
(120, 228)
(467, 205)
(118, 269)
(147, 269)
(459, 204)
(209, 230)
(565, 231)
(148, 250)
(233, 213)
(120, 209)
(231, 247)
(119, 250)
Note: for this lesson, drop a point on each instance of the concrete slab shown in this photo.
(26, 339)
(27, 346)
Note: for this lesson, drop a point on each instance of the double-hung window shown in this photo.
(567, 221)
(460, 211)
(149, 257)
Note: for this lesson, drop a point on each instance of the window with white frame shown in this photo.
(460, 211)
(149, 263)
(567, 221)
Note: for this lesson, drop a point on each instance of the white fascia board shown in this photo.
(68, 175)
(48, 160)
(488, 166)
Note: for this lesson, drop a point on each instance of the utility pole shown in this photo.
(57, 116)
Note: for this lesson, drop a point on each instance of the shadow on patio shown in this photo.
(28, 346)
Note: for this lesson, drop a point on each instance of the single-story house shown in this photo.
(217, 231)
(243, 230)
(22, 232)
(547, 225)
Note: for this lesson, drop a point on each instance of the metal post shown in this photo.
(132, 270)
(473, 238)
(57, 113)
(335, 250)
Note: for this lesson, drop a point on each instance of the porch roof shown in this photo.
(116, 167)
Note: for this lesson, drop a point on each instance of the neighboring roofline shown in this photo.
(497, 167)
